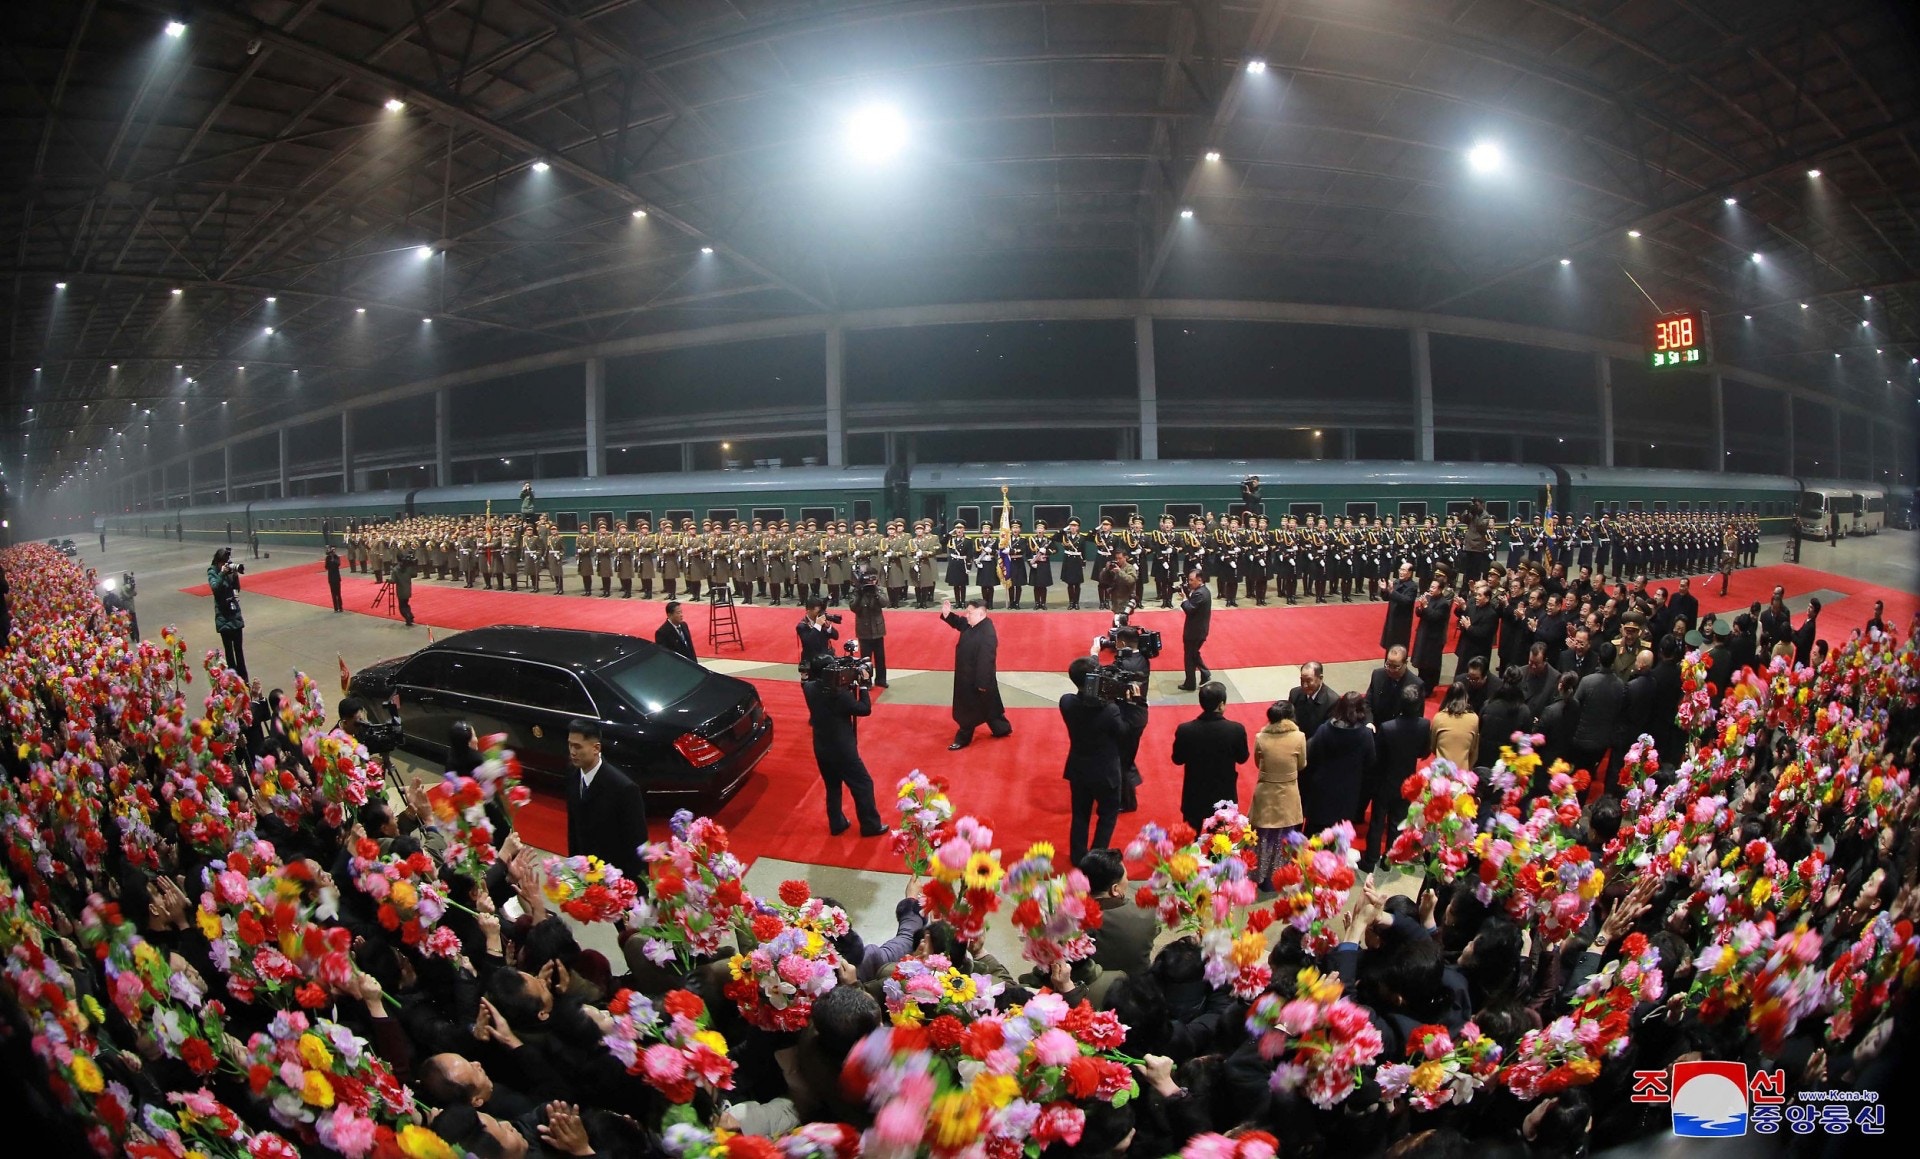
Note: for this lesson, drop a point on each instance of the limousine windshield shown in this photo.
(654, 680)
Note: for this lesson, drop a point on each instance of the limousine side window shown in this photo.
(482, 676)
(427, 670)
(553, 689)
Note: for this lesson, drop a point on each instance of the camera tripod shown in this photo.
(384, 600)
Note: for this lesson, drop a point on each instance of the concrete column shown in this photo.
(1717, 399)
(1518, 453)
(1873, 453)
(346, 451)
(887, 450)
(189, 501)
(1603, 397)
(836, 397)
(1787, 430)
(1422, 354)
(596, 418)
(1839, 471)
(686, 457)
(283, 462)
(443, 439)
(1146, 373)
(226, 473)
(1346, 443)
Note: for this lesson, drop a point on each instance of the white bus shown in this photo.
(1819, 503)
(1870, 512)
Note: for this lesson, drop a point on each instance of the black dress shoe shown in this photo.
(1184, 687)
(956, 746)
(880, 832)
(836, 828)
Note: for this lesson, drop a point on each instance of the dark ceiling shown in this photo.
(193, 191)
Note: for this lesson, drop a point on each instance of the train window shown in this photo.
(993, 516)
(1523, 508)
(1740, 508)
(1182, 512)
(634, 518)
(1363, 511)
(769, 514)
(1054, 515)
(1599, 508)
(1659, 506)
(596, 518)
(1499, 510)
(820, 515)
(1457, 508)
(1313, 510)
(1721, 507)
(723, 515)
(674, 516)
(1120, 513)
(863, 509)
(969, 514)
(1413, 511)
(1684, 506)
(1634, 507)
(567, 521)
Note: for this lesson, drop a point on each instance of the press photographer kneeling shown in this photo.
(837, 695)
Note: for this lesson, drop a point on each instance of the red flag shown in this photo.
(429, 633)
(346, 677)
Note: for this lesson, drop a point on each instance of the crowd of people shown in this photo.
(227, 932)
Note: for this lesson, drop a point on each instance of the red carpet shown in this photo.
(1015, 783)
(1244, 637)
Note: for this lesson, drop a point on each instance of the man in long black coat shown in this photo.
(1430, 638)
(1400, 596)
(1385, 685)
(606, 811)
(1479, 620)
(976, 687)
(1210, 747)
(834, 712)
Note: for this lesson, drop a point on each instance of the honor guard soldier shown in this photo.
(1102, 556)
(583, 547)
(778, 554)
(533, 554)
(719, 559)
(807, 542)
(922, 574)
(555, 550)
(1040, 546)
(625, 545)
(1016, 564)
(959, 559)
(1157, 552)
(752, 572)
(986, 565)
(898, 557)
(603, 552)
(510, 531)
(1073, 562)
(467, 552)
(667, 558)
(646, 556)
(1253, 563)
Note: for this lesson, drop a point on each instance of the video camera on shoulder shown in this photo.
(866, 579)
(1124, 635)
(1111, 682)
(849, 671)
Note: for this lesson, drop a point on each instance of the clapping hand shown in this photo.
(564, 1132)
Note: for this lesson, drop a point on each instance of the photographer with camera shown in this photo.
(817, 633)
(869, 620)
(223, 577)
(837, 696)
(1476, 547)
(1198, 606)
(1120, 580)
(401, 578)
(1250, 494)
(1094, 731)
(379, 738)
(1133, 653)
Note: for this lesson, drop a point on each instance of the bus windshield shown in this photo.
(1813, 503)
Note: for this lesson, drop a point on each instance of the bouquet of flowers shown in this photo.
(1314, 882)
(1627, 980)
(1574, 881)
(966, 875)
(1193, 892)
(1324, 1040)
(807, 1141)
(587, 889)
(678, 1055)
(794, 963)
(1565, 1054)
(1776, 978)
(261, 930)
(1861, 978)
(195, 1123)
(1054, 912)
(1229, 832)
(1442, 1069)
(1000, 1084)
(920, 990)
(925, 813)
(321, 1080)
(1512, 774)
(694, 893)
(408, 897)
(1439, 828)
(147, 991)
(1239, 1145)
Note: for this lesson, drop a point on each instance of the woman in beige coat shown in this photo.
(1279, 752)
(1456, 728)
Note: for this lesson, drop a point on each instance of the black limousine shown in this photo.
(676, 728)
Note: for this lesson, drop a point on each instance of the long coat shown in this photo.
(976, 688)
(1399, 626)
(1337, 756)
(1279, 751)
(1430, 642)
(610, 822)
(226, 600)
(1209, 747)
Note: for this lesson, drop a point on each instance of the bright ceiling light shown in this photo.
(1213, 154)
(268, 329)
(395, 104)
(1803, 305)
(1813, 173)
(876, 132)
(271, 299)
(59, 285)
(706, 249)
(176, 29)
(1486, 157)
(426, 321)
(1566, 261)
(541, 166)
(1756, 257)
(1866, 297)
(1186, 213)
(1749, 317)
(1633, 233)
(177, 292)
(639, 214)
(1256, 66)
(425, 251)
(359, 309)
(1730, 201)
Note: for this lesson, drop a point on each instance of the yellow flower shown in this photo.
(1725, 965)
(404, 896)
(145, 956)
(418, 1142)
(596, 870)
(1762, 890)
(815, 944)
(1591, 887)
(983, 871)
(995, 1090)
(1466, 806)
(1428, 1076)
(208, 923)
(1181, 866)
(269, 787)
(314, 1052)
(316, 1091)
(86, 1076)
(1220, 844)
(1585, 1070)
(956, 1120)
(909, 1014)
(713, 1040)
(1319, 987)
(1039, 849)
(736, 966)
(194, 1154)
(1248, 948)
(959, 987)
(92, 1006)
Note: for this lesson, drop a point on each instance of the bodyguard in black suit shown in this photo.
(1400, 595)
(606, 811)
(1210, 747)
(1198, 605)
(1385, 685)
(673, 634)
(834, 711)
(1094, 731)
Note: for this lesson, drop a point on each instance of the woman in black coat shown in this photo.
(1504, 714)
(1338, 753)
(1433, 613)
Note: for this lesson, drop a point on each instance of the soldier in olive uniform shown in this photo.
(899, 561)
(533, 559)
(720, 559)
(693, 548)
(921, 573)
(583, 548)
(1121, 579)
(625, 544)
(603, 546)
(646, 557)
(555, 551)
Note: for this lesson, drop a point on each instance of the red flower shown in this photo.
(1634, 945)
(1143, 897)
(1258, 920)
(684, 1004)
(1027, 914)
(1412, 787)
(946, 1032)
(1438, 806)
(668, 883)
(751, 1147)
(198, 1056)
(795, 893)
(767, 927)
(310, 996)
(983, 1038)
(906, 1039)
(1181, 833)
(1082, 1076)
(258, 1076)
(251, 933)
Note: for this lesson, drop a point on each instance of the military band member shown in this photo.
(959, 547)
(986, 564)
(584, 544)
(1073, 563)
(922, 573)
(1102, 556)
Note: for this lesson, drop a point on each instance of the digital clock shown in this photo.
(1680, 340)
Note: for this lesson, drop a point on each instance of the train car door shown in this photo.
(933, 506)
